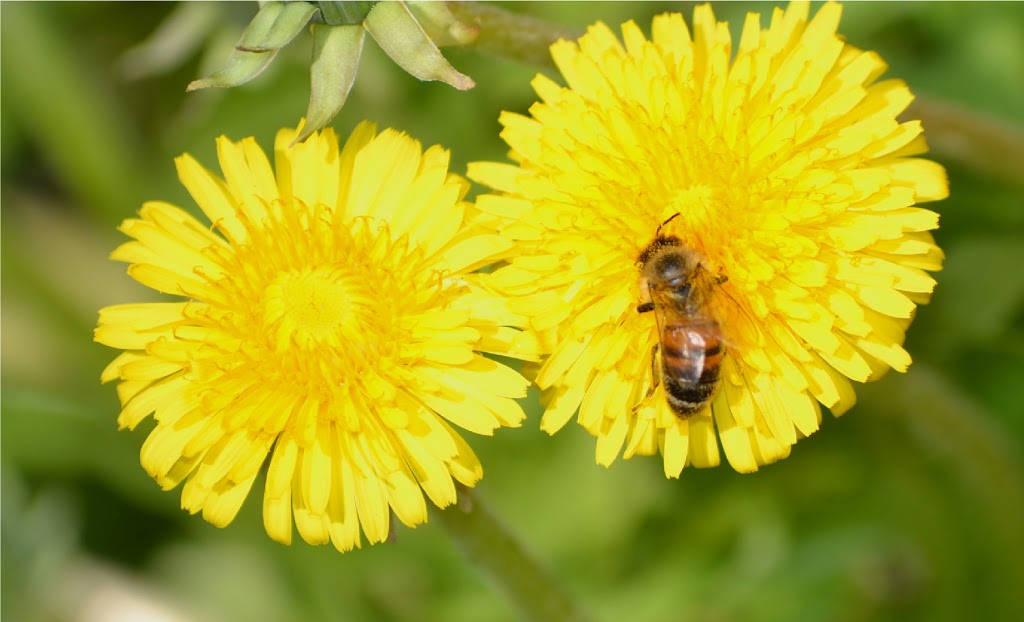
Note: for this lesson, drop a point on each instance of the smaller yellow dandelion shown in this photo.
(761, 201)
(331, 320)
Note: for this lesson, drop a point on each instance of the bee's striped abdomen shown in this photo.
(691, 359)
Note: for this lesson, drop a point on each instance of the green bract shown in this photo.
(409, 32)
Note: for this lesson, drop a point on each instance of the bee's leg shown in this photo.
(645, 307)
(655, 378)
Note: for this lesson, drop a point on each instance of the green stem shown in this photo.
(971, 139)
(510, 35)
(492, 549)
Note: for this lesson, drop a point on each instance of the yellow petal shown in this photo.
(212, 196)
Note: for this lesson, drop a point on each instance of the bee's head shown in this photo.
(668, 264)
(672, 266)
(658, 247)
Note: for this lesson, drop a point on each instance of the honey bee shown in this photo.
(677, 286)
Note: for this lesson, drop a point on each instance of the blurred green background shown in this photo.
(910, 507)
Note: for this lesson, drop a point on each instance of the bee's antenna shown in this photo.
(668, 220)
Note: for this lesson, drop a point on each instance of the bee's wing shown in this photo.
(736, 325)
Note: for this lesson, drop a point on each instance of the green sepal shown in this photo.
(336, 51)
(274, 25)
(286, 25)
(337, 13)
(240, 68)
(396, 31)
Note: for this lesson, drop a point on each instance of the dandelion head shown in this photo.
(779, 167)
(330, 325)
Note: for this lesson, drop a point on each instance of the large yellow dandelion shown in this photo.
(779, 167)
(329, 320)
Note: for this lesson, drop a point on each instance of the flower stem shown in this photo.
(971, 138)
(511, 35)
(493, 550)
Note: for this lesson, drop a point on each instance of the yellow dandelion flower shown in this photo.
(778, 168)
(330, 320)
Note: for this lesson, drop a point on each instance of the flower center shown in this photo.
(700, 222)
(694, 205)
(317, 307)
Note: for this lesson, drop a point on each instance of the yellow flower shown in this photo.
(784, 171)
(330, 320)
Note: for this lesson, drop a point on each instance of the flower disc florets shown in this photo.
(779, 163)
(332, 321)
